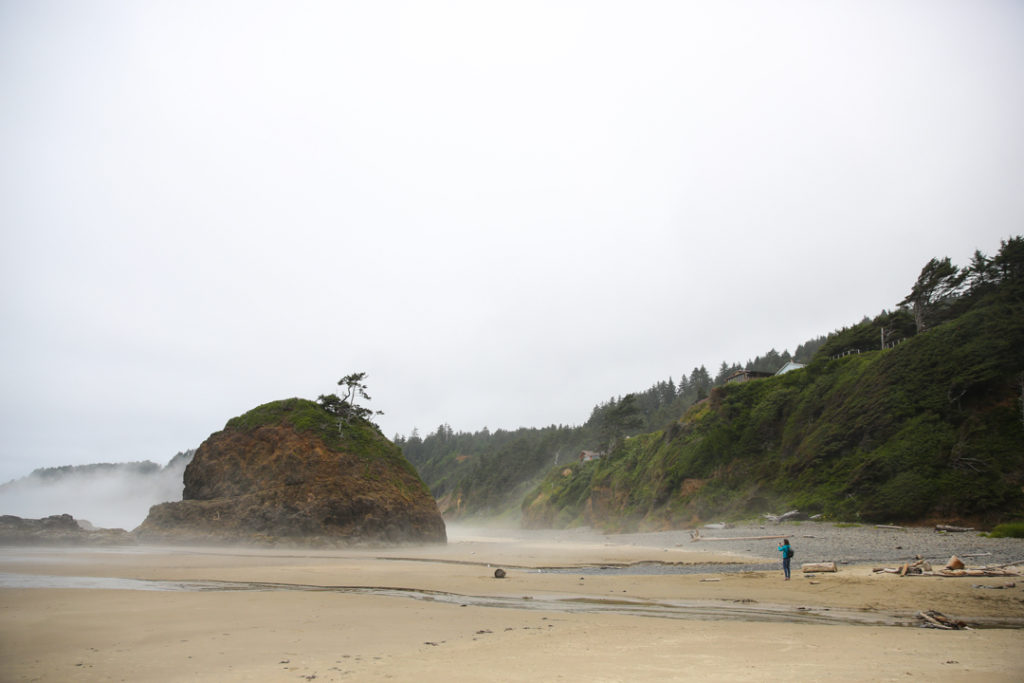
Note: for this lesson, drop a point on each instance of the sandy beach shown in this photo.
(437, 613)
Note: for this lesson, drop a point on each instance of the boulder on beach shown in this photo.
(291, 472)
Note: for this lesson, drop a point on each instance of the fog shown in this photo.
(504, 212)
(105, 495)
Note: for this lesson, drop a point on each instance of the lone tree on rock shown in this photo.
(345, 407)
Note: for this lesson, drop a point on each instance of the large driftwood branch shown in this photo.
(934, 619)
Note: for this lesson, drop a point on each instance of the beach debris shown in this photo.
(709, 580)
(953, 529)
(815, 567)
(695, 536)
(785, 517)
(499, 573)
(1012, 584)
(935, 619)
(892, 527)
(718, 525)
(922, 567)
(919, 566)
(980, 571)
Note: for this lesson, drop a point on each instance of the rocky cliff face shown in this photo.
(289, 472)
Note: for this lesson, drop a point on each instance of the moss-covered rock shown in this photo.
(290, 472)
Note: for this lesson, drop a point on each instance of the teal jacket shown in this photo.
(784, 549)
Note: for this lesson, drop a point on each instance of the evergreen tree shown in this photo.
(622, 418)
(700, 380)
(938, 284)
(345, 407)
(1009, 262)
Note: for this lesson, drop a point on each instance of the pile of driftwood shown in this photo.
(955, 567)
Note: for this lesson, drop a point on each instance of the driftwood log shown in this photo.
(934, 619)
(814, 567)
(982, 571)
(785, 517)
(695, 536)
(953, 529)
(918, 567)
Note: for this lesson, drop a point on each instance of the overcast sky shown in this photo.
(503, 212)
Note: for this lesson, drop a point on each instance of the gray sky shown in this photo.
(504, 212)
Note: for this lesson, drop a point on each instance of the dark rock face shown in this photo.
(276, 484)
(57, 530)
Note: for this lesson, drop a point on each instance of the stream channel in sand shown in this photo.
(736, 610)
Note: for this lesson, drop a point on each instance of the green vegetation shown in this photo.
(488, 473)
(1008, 530)
(913, 415)
(345, 407)
(353, 434)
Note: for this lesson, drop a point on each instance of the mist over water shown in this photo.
(107, 496)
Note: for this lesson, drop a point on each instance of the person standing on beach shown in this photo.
(787, 553)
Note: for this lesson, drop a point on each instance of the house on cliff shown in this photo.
(746, 376)
(790, 366)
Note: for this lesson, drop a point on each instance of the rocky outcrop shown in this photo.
(290, 472)
(58, 530)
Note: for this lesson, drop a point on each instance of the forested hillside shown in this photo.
(488, 473)
(910, 415)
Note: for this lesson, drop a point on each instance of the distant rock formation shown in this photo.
(113, 495)
(58, 530)
(289, 472)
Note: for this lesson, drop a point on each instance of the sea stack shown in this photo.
(292, 473)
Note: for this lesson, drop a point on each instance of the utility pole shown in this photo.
(884, 333)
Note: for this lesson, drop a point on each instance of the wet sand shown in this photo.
(437, 613)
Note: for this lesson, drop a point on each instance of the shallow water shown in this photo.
(655, 568)
(714, 610)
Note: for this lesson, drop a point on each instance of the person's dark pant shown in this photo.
(785, 566)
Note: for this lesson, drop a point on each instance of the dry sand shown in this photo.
(453, 621)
